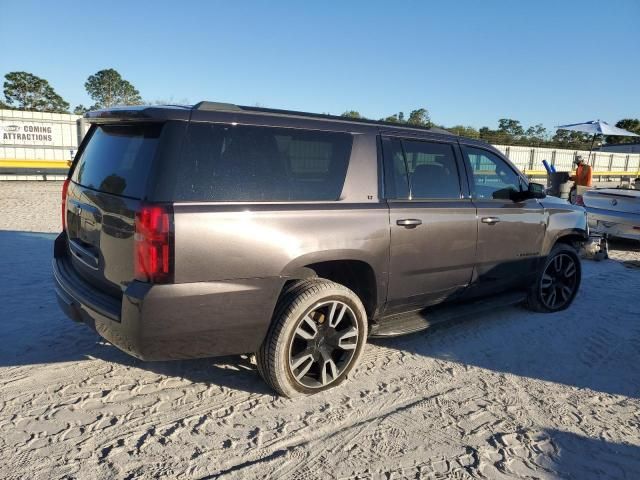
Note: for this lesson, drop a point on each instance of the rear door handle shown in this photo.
(409, 222)
(490, 220)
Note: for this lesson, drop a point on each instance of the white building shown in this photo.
(38, 140)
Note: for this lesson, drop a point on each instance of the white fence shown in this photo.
(35, 141)
(605, 164)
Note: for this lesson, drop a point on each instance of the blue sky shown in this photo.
(468, 62)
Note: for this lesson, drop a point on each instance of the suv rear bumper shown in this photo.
(175, 321)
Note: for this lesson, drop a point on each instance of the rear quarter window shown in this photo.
(252, 163)
(117, 159)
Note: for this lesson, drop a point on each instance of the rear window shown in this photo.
(118, 158)
(250, 163)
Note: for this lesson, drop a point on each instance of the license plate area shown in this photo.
(84, 228)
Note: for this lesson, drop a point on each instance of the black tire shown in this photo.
(301, 331)
(559, 278)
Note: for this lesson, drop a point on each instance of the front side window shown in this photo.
(251, 163)
(493, 178)
(420, 170)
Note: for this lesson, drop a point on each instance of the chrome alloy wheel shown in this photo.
(559, 281)
(323, 344)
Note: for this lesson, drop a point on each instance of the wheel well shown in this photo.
(573, 240)
(353, 274)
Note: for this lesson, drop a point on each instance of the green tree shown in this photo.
(570, 139)
(107, 88)
(463, 131)
(351, 114)
(484, 132)
(420, 117)
(497, 137)
(25, 91)
(536, 135)
(510, 127)
(395, 118)
(630, 124)
(80, 110)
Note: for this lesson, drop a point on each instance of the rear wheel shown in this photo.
(318, 333)
(557, 281)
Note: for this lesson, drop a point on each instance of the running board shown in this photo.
(410, 322)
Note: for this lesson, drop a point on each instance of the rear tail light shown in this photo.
(153, 256)
(65, 188)
(579, 200)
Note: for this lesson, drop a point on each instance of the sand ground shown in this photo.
(509, 394)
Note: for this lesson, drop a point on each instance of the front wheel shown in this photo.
(317, 335)
(557, 281)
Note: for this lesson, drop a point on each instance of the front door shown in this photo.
(510, 233)
(433, 223)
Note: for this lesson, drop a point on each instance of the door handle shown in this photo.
(409, 222)
(490, 220)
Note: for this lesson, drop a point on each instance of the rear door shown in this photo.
(510, 233)
(108, 184)
(433, 223)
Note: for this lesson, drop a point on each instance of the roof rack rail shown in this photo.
(229, 107)
(217, 106)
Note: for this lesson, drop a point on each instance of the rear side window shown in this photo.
(117, 159)
(250, 163)
(420, 170)
(396, 182)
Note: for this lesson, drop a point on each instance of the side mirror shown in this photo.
(536, 190)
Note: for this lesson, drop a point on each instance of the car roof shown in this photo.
(217, 112)
(182, 112)
(215, 106)
(228, 112)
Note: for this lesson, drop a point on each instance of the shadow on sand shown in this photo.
(593, 350)
(33, 329)
(578, 347)
(568, 455)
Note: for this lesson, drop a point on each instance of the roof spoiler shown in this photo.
(137, 113)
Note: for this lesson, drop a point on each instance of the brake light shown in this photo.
(153, 258)
(65, 188)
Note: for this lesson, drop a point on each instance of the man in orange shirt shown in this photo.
(583, 172)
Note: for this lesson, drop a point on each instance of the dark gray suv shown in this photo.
(218, 229)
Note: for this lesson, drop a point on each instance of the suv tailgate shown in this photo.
(108, 183)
